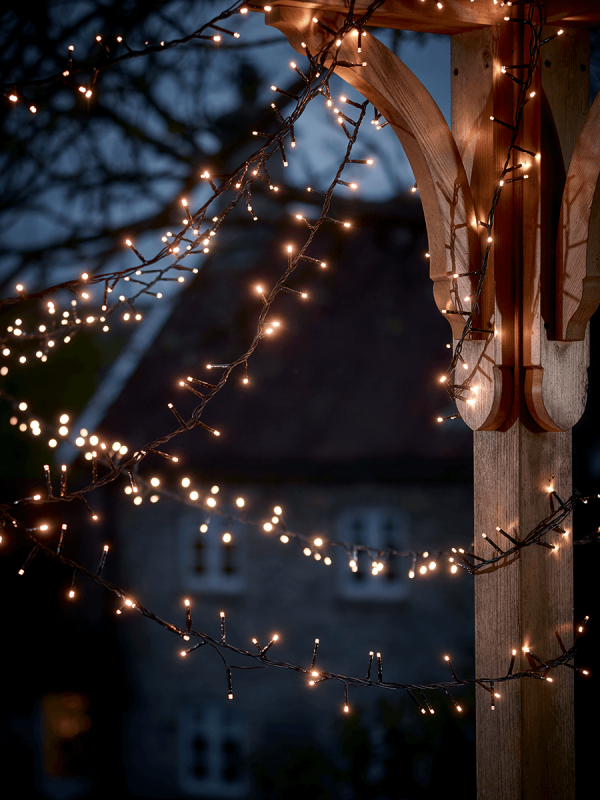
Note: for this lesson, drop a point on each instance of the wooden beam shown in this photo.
(533, 383)
(455, 16)
(578, 250)
(525, 747)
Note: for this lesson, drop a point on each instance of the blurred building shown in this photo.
(337, 427)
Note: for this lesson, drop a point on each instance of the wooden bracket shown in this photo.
(513, 367)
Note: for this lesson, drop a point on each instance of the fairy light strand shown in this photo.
(533, 10)
(540, 669)
(276, 143)
(294, 259)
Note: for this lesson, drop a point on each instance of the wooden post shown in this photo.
(525, 749)
(542, 286)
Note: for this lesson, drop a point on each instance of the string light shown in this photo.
(525, 94)
(563, 660)
(377, 565)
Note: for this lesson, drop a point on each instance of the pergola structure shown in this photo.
(542, 286)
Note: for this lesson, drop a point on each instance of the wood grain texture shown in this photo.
(525, 749)
(578, 253)
(480, 90)
(532, 386)
(428, 143)
(455, 16)
(555, 371)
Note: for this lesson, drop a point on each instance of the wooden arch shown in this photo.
(450, 216)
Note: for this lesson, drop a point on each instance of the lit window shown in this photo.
(212, 554)
(378, 528)
(212, 752)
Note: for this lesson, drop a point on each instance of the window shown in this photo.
(212, 554)
(377, 528)
(211, 752)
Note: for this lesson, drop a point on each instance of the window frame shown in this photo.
(216, 725)
(369, 587)
(214, 577)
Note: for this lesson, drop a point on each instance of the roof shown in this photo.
(346, 389)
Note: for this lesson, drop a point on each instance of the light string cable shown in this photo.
(264, 327)
(317, 545)
(242, 178)
(539, 669)
(15, 92)
(456, 389)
